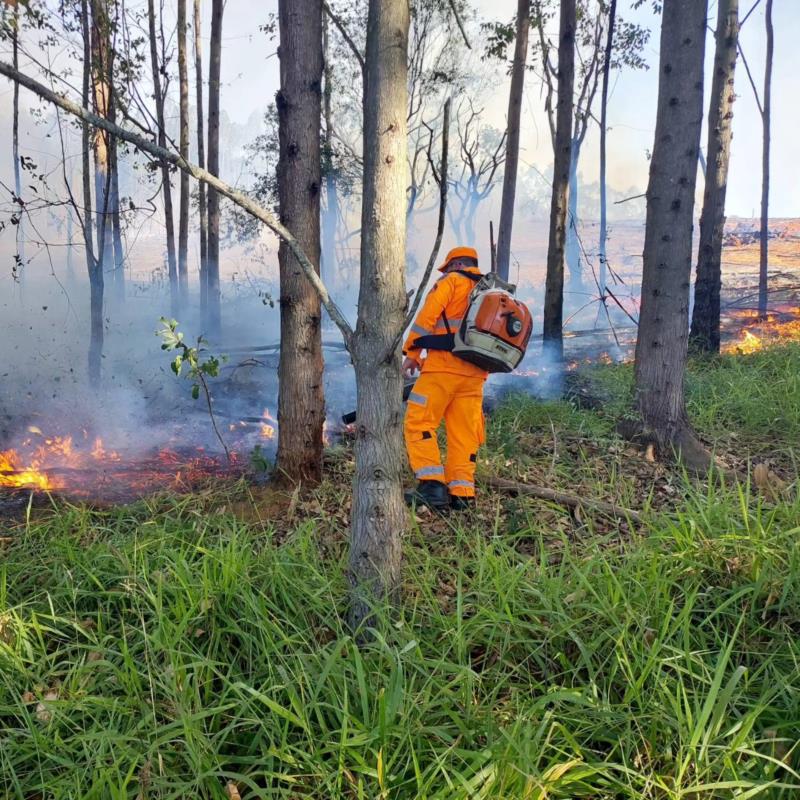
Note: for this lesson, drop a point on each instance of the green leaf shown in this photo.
(196, 391)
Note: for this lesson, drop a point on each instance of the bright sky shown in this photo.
(250, 73)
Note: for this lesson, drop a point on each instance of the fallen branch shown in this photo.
(240, 199)
(569, 500)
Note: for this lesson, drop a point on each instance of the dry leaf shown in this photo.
(43, 713)
(232, 790)
(650, 454)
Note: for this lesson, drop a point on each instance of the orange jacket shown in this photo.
(450, 295)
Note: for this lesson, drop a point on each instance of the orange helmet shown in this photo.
(459, 252)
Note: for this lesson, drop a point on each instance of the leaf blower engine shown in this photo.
(494, 332)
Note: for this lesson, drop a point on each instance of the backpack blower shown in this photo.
(495, 330)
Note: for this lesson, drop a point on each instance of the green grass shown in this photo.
(749, 402)
(165, 649)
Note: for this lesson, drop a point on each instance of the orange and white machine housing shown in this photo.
(495, 331)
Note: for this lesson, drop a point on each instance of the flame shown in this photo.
(14, 476)
(267, 431)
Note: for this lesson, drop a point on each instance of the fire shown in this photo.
(267, 431)
(780, 325)
(749, 343)
(13, 476)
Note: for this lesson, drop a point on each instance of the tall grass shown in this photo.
(181, 652)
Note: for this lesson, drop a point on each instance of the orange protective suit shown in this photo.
(448, 388)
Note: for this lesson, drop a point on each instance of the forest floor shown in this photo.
(196, 646)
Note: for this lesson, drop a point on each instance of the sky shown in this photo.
(250, 76)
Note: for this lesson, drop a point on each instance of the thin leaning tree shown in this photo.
(661, 345)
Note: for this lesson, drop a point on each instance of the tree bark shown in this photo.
(661, 344)
(93, 267)
(183, 146)
(554, 285)
(379, 514)
(101, 94)
(301, 401)
(704, 334)
(165, 176)
(201, 162)
(512, 143)
(602, 255)
(212, 266)
(572, 254)
(20, 227)
(116, 225)
(765, 118)
(330, 215)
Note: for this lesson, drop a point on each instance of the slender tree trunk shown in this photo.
(662, 340)
(554, 286)
(603, 257)
(469, 221)
(20, 228)
(704, 334)
(165, 176)
(765, 117)
(512, 143)
(113, 160)
(93, 267)
(101, 91)
(201, 162)
(183, 146)
(330, 216)
(572, 252)
(119, 253)
(379, 515)
(301, 401)
(212, 262)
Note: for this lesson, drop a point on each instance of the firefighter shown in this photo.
(448, 388)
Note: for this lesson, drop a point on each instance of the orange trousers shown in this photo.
(459, 400)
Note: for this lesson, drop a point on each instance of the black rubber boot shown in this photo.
(432, 494)
(458, 503)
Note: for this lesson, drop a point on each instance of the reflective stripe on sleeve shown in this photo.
(419, 399)
(420, 330)
(461, 485)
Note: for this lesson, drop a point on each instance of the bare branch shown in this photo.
(346, 36)
(199, 174)
(460, 24)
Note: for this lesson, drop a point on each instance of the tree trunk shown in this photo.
(301, 401)
(101, 93)
(330, 216)
(119, 253)
(512, 144)
(664, 317)
(379, 514)
(183, 146)
(92, 264)
(704, 334)
(201, 162)
(602, 256)
(572, 245)
(554, 286)
(765, 118)
(212, 263)
(20, 232)
(165, 176)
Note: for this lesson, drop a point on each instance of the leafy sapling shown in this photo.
(194, 363)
